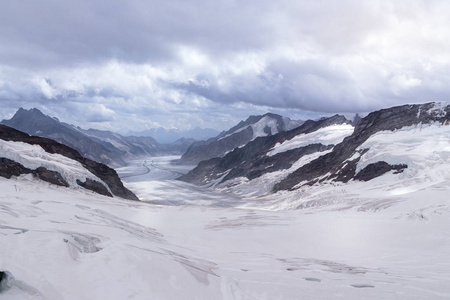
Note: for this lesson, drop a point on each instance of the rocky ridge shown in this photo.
(328, 163)
(107, 175)
(340, 164)
(106, 147)
(252, 160)
(238, 136)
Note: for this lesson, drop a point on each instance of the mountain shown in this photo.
(396, 140)
(56, 163)
(384, 237)
(274, 152)
(244, 132)
(345, 162)
(133, 147)
(34, 122)
(103, 146)
(168, 136)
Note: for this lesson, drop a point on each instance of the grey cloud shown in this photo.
(241, 57)
(311, 85)
(45, 33)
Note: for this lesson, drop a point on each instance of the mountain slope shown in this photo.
(104, 146)
(341, 163)
(34, 122)
(402, 141)
(273, 153)
(237, 136)
(55, 163)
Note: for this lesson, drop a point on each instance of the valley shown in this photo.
(227, 150)
(323, 211)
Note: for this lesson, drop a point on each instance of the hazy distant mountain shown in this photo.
(167, 136)
(34, 122)
(238, 136)
(106, 147)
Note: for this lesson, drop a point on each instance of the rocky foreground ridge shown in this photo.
(322, 160)
(108, 184)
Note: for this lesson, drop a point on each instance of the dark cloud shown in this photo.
(118, 64)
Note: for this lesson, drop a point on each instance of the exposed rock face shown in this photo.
(252, 161)
(9, 168)
(377, 169)
(94, 186)
(334, 165)
(106, 174)
(266, 164)
(340, 164)
(3, 279)
(237, 136)
(50, 176)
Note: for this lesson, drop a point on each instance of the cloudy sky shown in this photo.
(137, 64)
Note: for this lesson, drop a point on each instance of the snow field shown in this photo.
(330, 135)
(355, 241)
(424, 148)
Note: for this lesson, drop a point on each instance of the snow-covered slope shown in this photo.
(340, 164)
(349, 241)
(410, 143)
(33, 157)
(424, 148)
(330, 135)
(55, 163)
(273, 153)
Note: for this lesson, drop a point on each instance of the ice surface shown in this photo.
(361, 240)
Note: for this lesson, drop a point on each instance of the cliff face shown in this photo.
(107, 175)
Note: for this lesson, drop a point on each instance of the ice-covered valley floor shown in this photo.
(354, 241)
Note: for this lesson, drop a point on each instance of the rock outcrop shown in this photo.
(9, 168)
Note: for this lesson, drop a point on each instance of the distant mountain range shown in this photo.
(168, 136)
(238, 136)
(106, 147)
